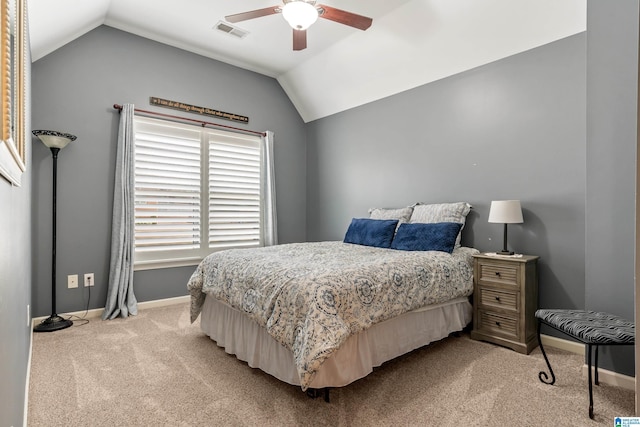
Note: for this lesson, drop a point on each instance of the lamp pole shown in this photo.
(54, 216)
(505, 251)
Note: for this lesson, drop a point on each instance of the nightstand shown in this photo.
(505, 298)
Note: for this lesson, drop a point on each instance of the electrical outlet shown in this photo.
(72, 281)
(88, 280)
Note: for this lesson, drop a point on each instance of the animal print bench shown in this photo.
(592, 329)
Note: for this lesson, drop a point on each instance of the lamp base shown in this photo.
(52, 323)
(505, 253)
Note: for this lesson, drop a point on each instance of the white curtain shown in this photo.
(120, 298)
(268, 218)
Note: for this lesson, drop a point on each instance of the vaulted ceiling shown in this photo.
(411, 42)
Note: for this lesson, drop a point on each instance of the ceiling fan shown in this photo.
(300, 14)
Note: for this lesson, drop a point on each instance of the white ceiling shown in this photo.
(411, 42)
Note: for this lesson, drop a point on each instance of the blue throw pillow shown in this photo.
(371, 232)
(439, 236)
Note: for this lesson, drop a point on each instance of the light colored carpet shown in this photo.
(158, 369)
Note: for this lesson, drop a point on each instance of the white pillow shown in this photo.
(441, 212)
(401, 214)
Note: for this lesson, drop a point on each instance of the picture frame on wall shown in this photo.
(12, 97)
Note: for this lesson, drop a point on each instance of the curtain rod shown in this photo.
(201, 122)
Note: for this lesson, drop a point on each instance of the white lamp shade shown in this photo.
(53, 139)
(506, 212)
(300, 14)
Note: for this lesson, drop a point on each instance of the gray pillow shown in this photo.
(401, 214)
(391, 213)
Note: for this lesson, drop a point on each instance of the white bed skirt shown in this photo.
(355, 359)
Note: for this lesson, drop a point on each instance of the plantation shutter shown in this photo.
(197, 191)
(167, 187)
(234, 191)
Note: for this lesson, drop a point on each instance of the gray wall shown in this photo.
(15, 295)
(15, 284)
(74, 90)
(512, 129)
(612, 88)
(530, 127)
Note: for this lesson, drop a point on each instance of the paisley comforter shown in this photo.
(311, 297)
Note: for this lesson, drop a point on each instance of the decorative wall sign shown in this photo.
(188, 108)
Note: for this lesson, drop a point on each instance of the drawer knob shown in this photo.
(498, 324)
(498, 299)
(498, 273)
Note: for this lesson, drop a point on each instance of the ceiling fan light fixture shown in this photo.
(300, 14)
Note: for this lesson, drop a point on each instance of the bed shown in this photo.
(324, 314)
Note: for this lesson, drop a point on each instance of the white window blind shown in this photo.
(234, 194)
(196, 190)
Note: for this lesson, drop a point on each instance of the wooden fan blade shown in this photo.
(343, 17)
(299, 39)
(253, 14)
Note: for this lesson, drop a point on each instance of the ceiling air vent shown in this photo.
(225, 27)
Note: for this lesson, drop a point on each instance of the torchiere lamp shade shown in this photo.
(54, 139)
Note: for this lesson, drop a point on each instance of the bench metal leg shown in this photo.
(590, 383)
(595, 366)
(543, 375)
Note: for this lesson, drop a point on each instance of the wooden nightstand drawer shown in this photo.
(496, 298)
(492, 272)
(498, 324)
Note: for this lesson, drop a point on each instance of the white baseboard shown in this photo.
(612, 378)
(562, 344)
(96, 313)
(164, 302)
(605, 376)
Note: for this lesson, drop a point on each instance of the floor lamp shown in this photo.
(55, 141)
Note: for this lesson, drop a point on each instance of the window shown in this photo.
(197, 190)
